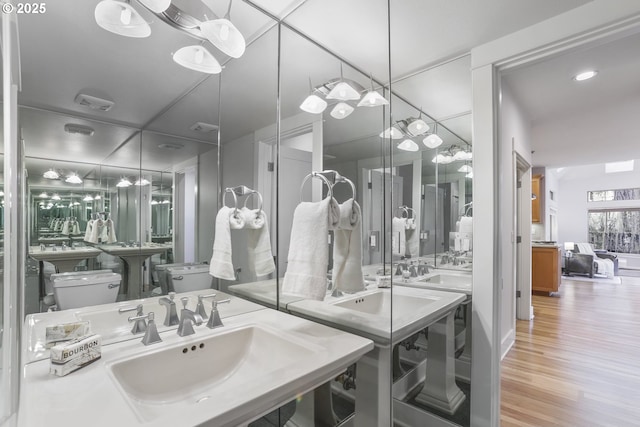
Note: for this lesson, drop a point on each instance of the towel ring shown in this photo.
(259, 200)
(316, 175)
(235, 200)
(404, 211)
(413, 212)
(347, 181)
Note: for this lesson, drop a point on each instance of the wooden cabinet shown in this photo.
(545, 268)
(535, 201)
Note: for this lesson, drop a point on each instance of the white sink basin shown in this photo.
(206, 368)
(142, 251)
(380, 303)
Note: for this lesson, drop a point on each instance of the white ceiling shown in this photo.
(579, 123)
(64, 52)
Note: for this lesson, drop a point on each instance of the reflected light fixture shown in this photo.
(124, 182)
(43, 195)
(465, 169)
(343, 91)
(462, 155)
(442, 159)
(98, 197)
(76, 203)
(372, 98)
(341, 110)
(51, 174)
(121, 18)
(313, 103)
(73, 178)
(55, 197)
(224, 35)
(392, 132)
(469, 175)
(1, 193)
(141, 182)
(408, 145)
(157, 6)
(87, 198)
(154, 202)
(166, 202)
(432, 141)
(197, 58)
(586, 75)
(417, 126)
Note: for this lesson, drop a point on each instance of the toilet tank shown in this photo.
(49, 278)
(163, 274)
(189, 278)
(74, 291)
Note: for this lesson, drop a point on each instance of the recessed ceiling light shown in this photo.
(585, 75)
(78, 129)
(169, 146)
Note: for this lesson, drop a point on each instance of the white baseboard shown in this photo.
(507, 342)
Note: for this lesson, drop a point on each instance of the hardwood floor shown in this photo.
(578, 362)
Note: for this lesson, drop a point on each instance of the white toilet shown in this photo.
(189, 278)
(162, 271)
(81, 289)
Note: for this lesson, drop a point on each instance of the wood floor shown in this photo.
(578, 362)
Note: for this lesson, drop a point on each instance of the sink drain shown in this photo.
(203, 398)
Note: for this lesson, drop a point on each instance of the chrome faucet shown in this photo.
(171, 317)
(64, 246)
(151, 336)
(200, 307)
(187, 319)
(140, 325)
(214, 319)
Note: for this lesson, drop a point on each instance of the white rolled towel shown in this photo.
(258, 241)
(399, 237)
(221, 265)
(87, 233)
(308, 257)
(347, 249)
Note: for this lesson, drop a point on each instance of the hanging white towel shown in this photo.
(308, 257)
(65, 227)
(96, 230)
(221, 265)
(399, 237)
(87, 232)
(76, 228)
(347, 249)
(258, 241)
(111, 231)
(413, 243)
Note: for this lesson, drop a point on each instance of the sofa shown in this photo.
(587, 261)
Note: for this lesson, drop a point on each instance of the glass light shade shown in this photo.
(343, 92)
(51, 174)
(372, 99)
(50, 205)
(465, 169)
(469, 175)
(313, 104)
(154, 202)
(55, 197)
(392, 132)
(432, 141)
(142, 182)
(157, 6)
(197, 58)
(124, 182)
(87, 198)
(43, 195)
(341, 110)
(98, 197)
(225, 36)
(73, 179)
(442, 159)
(417, 126)
(1, 193)
(166, 202)
(462, 155)
(408, 145)
(76, 203)
(121, 18)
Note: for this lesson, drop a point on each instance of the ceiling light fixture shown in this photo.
(465, 169)
(157, 6)
(343, 91)
(154, 202)
(393, 132)
(372, 98)
(408, 145)
(98, 197)
(43, 195)
(124, 182)
(55, 197)
(432, 141)
(73, 178)
(88, 198)
(197, 58)
(341, 110)
(586, 75)
(224, 35)
(79, 129)
(121, 18)
(51, 174)
(313, 103)
(141, 182)
(417, 126)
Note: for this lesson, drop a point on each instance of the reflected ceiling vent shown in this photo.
(79, 129)
(204, 127)
(168, 146)
(93, 102)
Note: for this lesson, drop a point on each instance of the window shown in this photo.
(610, 195)
(615, 230)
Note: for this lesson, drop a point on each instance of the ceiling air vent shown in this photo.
(170, 146)
(204, 127)
(79, 129)
(93, 102)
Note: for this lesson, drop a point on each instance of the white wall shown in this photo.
(574, 182)
(207, 203)
(515, 135)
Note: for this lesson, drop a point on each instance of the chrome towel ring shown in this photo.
(320, 176)
(340, 178)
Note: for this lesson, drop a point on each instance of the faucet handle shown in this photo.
(138, 308)
(151, 335)
(185, 301)
(140, 325)
(171, 295)
(214, 320)
(200, 307)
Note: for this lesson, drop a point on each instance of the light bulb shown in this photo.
(343, 93)
(125, 16)
(224, 32)
(199, 56)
